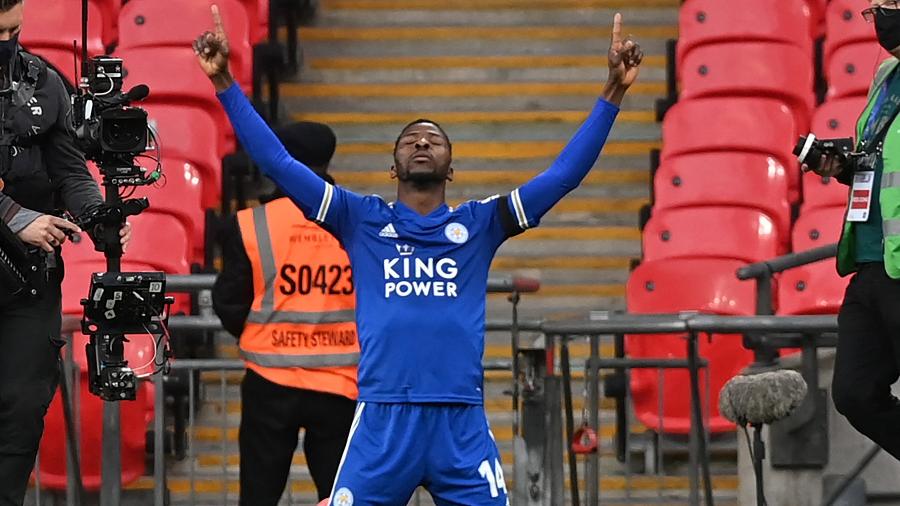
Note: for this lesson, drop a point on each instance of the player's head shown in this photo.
(423, 154)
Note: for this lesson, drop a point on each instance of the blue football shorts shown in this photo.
(394, 448)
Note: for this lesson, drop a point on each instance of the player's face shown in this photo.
(422, 155)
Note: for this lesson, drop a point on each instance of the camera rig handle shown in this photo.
(104, 222)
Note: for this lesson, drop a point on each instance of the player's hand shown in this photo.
(624, 57)
(829, 166)
(212, 52)
(125, 235)
(47, 232)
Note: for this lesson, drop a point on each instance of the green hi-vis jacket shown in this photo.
(890, 188)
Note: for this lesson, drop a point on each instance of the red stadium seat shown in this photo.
(51, 28)
(814, 288)
(747, 69)
(180, 194)
(190, 134)
(725, 179)
(817, 10)
(845, 25)
(670, 286)
(135, 415)
(257, 13)
(175, 79)
(263, 9)
(819, 192)
(160, 241)
(704, 22)
(752, 125)
(819, 227)
(838, 117)
(852, 68)
(110, 10)
(176, 23)
(64, 61)
(811, 289)
(712, 232)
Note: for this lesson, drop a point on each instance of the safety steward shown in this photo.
(286, 289)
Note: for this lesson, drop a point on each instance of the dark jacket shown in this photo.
(43, 169)
(233, 292)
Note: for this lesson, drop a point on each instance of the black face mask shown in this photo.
(887, 27)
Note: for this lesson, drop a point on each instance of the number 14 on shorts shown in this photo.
(494, 476)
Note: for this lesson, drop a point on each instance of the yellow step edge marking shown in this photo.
(465, 177)
(501, 432)
(384, 33)
(581, 234)
(489, 4)
(509, 150)
(513, 263)
(450, 90)
(453, 117)
(472, 61)
(182, 486)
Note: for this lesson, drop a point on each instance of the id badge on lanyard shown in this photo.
(861, 196)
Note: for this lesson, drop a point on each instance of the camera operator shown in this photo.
(868, 352)
(41, 170)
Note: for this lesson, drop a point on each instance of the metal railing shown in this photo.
(207, 322)
(543, 378)
(547, 378)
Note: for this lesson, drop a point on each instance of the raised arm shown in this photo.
(314, 196)
(531, 201)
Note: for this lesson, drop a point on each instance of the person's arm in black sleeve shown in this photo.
(64, 161)
(233, 292)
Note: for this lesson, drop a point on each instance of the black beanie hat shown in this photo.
(311, 143)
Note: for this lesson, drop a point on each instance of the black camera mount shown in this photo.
(113, 134)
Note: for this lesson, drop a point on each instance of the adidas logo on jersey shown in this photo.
(388, 231)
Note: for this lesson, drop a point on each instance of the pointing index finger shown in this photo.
(217, 20)
(617, 29)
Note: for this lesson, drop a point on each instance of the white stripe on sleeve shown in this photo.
(326, 203)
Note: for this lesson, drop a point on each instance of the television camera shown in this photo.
(116, 135)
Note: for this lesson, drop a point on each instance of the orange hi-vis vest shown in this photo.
(301, 330)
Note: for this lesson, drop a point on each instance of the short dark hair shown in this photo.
(416, 122)
(6, 5)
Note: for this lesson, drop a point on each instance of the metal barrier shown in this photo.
(207, 322)
(809, 332)
(542, 391)
(546, 394)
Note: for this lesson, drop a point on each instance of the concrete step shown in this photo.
(478, 13)
(505, 150)
(394, 121)
(468, 74)
(540, 31)
(479, 5)
(324, 101)
(612, 487)
(382, 161)
(590, 89)
(505, 132)
(493, 41)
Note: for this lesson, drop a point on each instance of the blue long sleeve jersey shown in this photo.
(420, 280)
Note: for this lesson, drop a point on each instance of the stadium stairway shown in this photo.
(510, 81)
